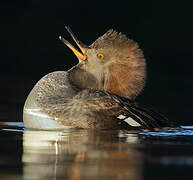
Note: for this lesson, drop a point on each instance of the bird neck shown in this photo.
(121, 77)
(80, 78)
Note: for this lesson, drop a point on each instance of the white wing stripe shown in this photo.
(132, 122)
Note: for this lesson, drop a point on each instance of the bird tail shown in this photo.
(147, 118)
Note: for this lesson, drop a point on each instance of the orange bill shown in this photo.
(80, 55)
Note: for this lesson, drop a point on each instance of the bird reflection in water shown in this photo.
(81, 154)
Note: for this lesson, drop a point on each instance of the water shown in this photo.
(79, 154)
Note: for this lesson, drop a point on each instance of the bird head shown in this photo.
(112, 63)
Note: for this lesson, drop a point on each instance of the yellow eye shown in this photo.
(100, 56)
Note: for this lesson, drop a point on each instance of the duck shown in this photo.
(99, 92)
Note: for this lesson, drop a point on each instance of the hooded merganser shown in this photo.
(97, 93)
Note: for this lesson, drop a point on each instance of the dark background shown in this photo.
(30, 47)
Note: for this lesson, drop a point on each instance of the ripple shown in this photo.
(169, 133)
(178, 134)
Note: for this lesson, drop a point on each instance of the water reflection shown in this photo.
(178, 161)
(81, 154)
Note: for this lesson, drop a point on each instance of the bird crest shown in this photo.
(126, 70)
(118, 41)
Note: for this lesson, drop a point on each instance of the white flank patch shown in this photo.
(36, 112)
(132, 122)
(121, 116)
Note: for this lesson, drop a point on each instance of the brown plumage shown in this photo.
(126, 67)
(97, 93)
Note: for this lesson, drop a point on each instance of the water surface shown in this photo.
(78, 154)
